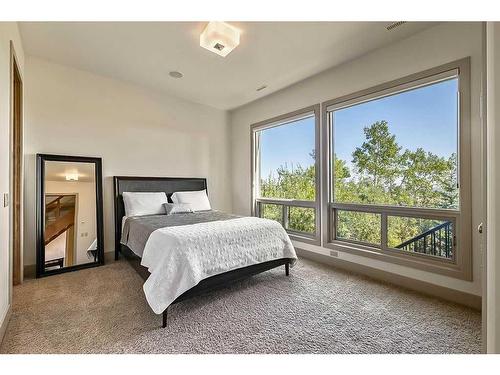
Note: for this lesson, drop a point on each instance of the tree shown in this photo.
(295, 183)
(382, 173)
(449, 184)
(378, 157)
(426, 180)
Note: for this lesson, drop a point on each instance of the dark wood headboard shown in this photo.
(169, 185)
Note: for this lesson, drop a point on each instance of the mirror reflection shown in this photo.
(70, 235)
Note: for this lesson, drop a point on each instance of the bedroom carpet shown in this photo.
(318, 309)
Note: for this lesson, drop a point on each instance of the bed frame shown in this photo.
(170, 185)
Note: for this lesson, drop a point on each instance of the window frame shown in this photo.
(460, 266)
(256, 200)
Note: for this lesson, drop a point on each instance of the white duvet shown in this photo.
(178, 258)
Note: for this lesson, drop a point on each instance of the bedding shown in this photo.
(136, 230)
(124, 219)
(197, 199)
(183, 249)
(139, 204)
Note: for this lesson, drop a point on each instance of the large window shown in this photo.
(285, 172)
(398, 171)
(399, 149)
(387, 177)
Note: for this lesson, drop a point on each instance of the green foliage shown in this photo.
(380, 173)
(378, 157)
(358, 226)
(272, 211)
(301, 219)
(298, 183)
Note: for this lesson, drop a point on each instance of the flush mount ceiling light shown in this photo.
(176, 74)
(220, 38)
(72, 177)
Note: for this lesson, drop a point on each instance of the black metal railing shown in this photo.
(436, 241)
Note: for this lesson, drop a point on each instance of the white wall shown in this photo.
(438, 45)
(136, 131)
(85, 210)
(8, 32)
(493, 186)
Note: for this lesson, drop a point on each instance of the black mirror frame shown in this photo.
(40, 225)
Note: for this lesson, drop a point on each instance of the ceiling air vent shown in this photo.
(394, 25)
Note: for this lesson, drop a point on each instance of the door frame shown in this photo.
(16, 170)
(483, 228)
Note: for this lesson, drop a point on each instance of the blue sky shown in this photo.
(426, 117)
(290, 144)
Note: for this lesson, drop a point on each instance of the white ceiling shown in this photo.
(57, 171)
(276, 54)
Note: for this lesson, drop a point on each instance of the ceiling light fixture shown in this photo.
(72, 177)
(176, 74)
(220, 38)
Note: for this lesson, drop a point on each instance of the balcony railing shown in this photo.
(437, 241)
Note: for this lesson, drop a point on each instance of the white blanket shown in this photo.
(178, 258)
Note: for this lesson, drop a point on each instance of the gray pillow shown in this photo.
(177, 208)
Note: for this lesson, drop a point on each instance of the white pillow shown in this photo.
(140, 204)
(197, 199)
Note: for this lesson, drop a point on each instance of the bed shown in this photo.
(144, 242)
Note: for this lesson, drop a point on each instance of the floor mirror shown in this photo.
(69, 213)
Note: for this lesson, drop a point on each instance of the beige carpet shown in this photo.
(317, 309)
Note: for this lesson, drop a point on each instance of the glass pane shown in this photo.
(358, 226)
(70, 226)
(399, 150)
(424, 236)
(286, 162)
(301, 219)
(271, 211)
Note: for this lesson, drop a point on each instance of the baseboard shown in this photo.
(5, 323)
(30, 269)
(423, 287)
